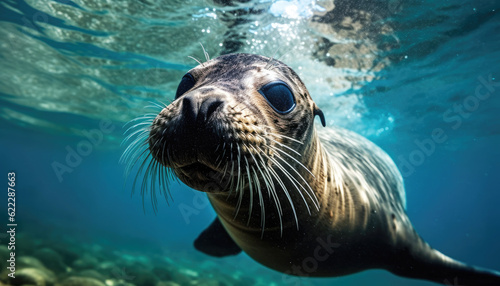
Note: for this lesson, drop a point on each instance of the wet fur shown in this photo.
(279, 186)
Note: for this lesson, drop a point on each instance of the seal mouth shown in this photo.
(195, 170)
(197, 167)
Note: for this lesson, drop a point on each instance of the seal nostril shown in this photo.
(208, 107)
(190, 108)
(198, 110)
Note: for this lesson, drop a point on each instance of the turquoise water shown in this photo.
(393, 71)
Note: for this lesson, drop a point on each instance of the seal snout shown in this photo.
(190, 129)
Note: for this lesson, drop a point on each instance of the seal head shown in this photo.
(229, 114)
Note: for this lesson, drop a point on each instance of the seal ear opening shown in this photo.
(319, 113)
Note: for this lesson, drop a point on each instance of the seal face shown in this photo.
(303, 202)
(228, 122)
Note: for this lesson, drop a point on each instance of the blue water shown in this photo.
(404, 73)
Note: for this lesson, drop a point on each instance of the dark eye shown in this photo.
(187, 82)
(279, 96)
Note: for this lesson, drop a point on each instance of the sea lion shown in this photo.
(299, 200)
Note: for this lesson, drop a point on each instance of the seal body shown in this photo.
(360, 215)
(298, 199)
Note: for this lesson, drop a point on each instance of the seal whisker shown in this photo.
(292, 180)
(135, 154)
(165, 105)
(250, 185)
(142, 117)
(223, 174)
(284, 188)
(268, 64)
(231, 181)
(134, 149)
(239, 169)
(282, 145)
(149, 168)
(165, 188)
(144, 178)
(169, 157)
(268, 181)
(261, 202)
(286, 137)
(136, 132)
(287, 194)
(195, 60)
(130, 152)
(158, 105)
(259, 189)
(154, 173)
(309, 191)
(144, 186)
(163, 175)
(143, 155)
(158, 174)
(220, 158)
(139, 136)
(277, 63)
(291, 157)
(131, 163)
(270, 61)
(232, 177)
(148, 123)
(153, 107)
(207, 57)
(232, 172)
(270, 186)
(163, 147)
(162, 171)
(240, 200)
(148, 172)
(239, 185)
(169, 177)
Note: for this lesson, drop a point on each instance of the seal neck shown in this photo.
(293, 195)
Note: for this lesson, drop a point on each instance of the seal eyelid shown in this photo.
(279, 96)
(187, 82)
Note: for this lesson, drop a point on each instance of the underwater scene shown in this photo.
(419, 78)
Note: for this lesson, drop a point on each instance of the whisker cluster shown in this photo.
(138, 154)
(261, 172)
(205, 53)
(273, 167)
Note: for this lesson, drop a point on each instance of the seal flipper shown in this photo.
(420, 261)
(215, 241)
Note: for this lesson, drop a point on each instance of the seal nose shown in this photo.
(207, 108)
(198, 110)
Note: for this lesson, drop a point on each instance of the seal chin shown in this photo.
(201, 177)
